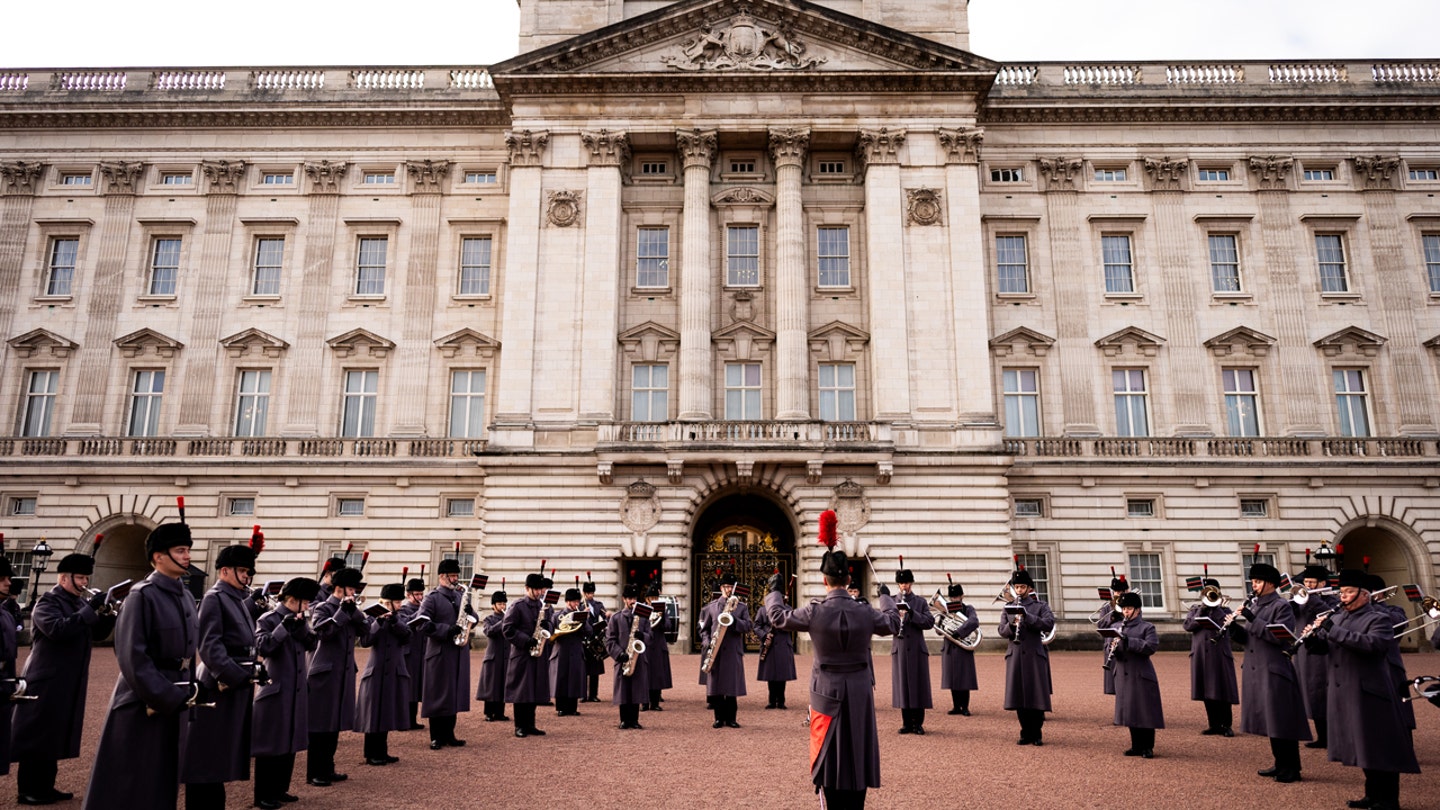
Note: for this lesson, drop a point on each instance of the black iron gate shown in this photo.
(752, 555)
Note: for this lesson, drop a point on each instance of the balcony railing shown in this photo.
(759, 433)
(236, 82)
(235, 447)
(1254, 76)
(1224, 448)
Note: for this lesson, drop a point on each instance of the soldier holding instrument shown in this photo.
(382, 705)
(957, 664)
(447, 665)
(725, 682)
(527, 682)
(777, 659)
(1137, 689)
(567, 659)
(497, 654)
(414, 648)
(910, 656)
(1313, 678)
(1212, 664)
(594, 664)
(1271, 704)
(1027, 660)
(339, 623)
(281, 725)
(657, 649)
(633, 689)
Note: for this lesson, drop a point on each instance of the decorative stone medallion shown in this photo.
(923, 206)
(563, 209)
(640, 509)
(852, 508)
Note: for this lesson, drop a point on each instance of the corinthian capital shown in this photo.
(1165, 174)
(696, 147)
(961, 145)
(879, 146)
(1061, 174)
(428, 175)
(1377, 172)
(121, 176)
(527, 148)
(789, 145)
(607, 148)
(325, 176)
(19, 177)
(225, 176)
(1270, 171)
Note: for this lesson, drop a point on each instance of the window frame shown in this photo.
(185, 178)
(232, 500)
(84, 178)
(46, 399)
(468, 177)
(486, 269)
(52, 245)
(1043, 584)
(1333, 171)
(256, 398)
(378, 178)
(1001, 264)
(821, 257)
(730, 255)
(263, 177)
(341, 503)
(360, 267)
(360, 400)
(1110, 174)
(1153, 594)
(1344, 263)
(1221, 174)
(257, 253)
(1007, 175)
(15, 505)
(1020, 396)
(1430, 258)
(838, 392)
(152, 265)
(1216, 263)
(745, 390)
(661, 260)
(1363, 395)
(469, 398)
(448, 501)
(1131, 395)
(1107, 236)
(649, 392)
(153, 400)
(1041, 500)
(1227, 391)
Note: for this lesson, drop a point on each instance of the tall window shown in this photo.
(1145, 576)
(742, 391)
(742, 255)
(145, 399)
(1010, 264)
(252, 403)
(61, 272)
(164, 266)
(1130, 410)
(39, 402)
(1022, 402)
(1330, 249)
(652, 268)
(1242, 402)
(1249, 559)
(837, 392)
(1432, 260)
(20, 563)
(370, 267)
(1350, 401)
(467, 404)
(1119, 267)
(475, 265)
(358, 416)
(1039, 569)
(269, 257)
(650, 393)
(834, 255)
(1224, 263)
(467, 564)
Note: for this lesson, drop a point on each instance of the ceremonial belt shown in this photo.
(858, 666)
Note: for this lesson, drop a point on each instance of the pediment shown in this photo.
(649, 341)
(741, 340)
(42, 342)
(254, 340)
(1131, 338)
(360, 342)
(1433, 344)
(837, 341)
(1021, 339)
(1361, 342)
(147, 340)
(467, 341)
(1241, 340)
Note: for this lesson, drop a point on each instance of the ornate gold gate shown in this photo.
(752, 554)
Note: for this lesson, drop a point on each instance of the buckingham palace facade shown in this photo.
(644, 300)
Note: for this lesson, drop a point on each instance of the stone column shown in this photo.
(305, 382)
(877, 152)
(599, 349)
(697, 150)
(1074, 343)
(427, 186)
(792, 294)
(514, 388)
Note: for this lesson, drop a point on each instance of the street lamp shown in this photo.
(1327, 556)
(39, 560)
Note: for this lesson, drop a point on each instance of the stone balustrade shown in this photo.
(1224, 448)
(234, 447)
(1247, 77)
(679, 435)
(226, 83)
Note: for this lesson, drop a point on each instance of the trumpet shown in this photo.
(1105, 609)
(1211, 597)
(1301, 595)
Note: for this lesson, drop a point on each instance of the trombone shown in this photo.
(1300, 594)
(1418, 692)
(1429, 611)
(1211, 597)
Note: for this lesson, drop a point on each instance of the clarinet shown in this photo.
(1225, 628)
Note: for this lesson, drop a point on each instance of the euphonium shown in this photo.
(1211, 597)
(634, 647)
(949, 625)
(725, 619)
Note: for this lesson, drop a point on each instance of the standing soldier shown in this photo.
(217, 745)
(382, 705)
(414, 648)
(527, 681)
(1272, 705)
(777, 658)
(1118, 588)
(63, 626)
(725, 682)
(1027, 660)
(957, 664)
(1308, 666)
(138, 761)
(910, 657)
(338, 622)
(492, 668)
(1137, 690)
(594, 664)
(9, 683)
(633, 689)
(1397, 664)
(567, 658)
(447, 664)
(657, 649)
(281, 726)
(1212, 664)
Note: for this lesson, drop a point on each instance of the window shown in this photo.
(1029, 507)
(1012, 175)
(61, 272)
(742, 166)
(1432, 260)
(22, 507)
(1145, 577)
(1139, 507)
(649, 393)
(475, 265)
(1330, 250)
(1110, 175)
(1248, 560)
(1242, 402)
(1119, 268)
(39, 403)
(830, 167)
(742, 255)
(654, 168)
(459, 507)
(1350, 401)
(1254, 508)
(177, 179)
(482, 178)
(252, 403)
(145, 399)
(350, 507)
(834, 255)
(837, 392)
(269, 257)
(20, 580)
(75, 179)
(1425, 174)
(370, 267)
(1224, 263)
(467, 564)
(378, 178)
(1039, 570)
(164, 266)
(242, 507)
(1312, 175)
(1022, 402)
(1130, 410)
(358, 416)
(652, 267)
(1013, 275)
(467, 404)
(742, 391)
(277, 178)
(1214, 175)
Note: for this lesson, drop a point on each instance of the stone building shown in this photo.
(647, 298)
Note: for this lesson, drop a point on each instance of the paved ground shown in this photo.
(678, 761)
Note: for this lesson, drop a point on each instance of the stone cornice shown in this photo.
(830, 81)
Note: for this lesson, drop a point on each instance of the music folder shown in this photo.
(376, 610)
(419, 619)
(1109, 632)
(643, 611)
(274, 587)
(1207, 620)
(552, 597)
(1014, 610)
(119, 590)
(1281, 633)
(479, 581)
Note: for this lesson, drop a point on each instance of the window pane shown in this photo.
(1145, 576)
(1022, 402)
(253, 403)
(370, 273)
(358, 418)
(164, 266)
(39, 403)
(650, 400)
(1350, 402)
(742, 255)
(742, 391)
(1119, 277)
(1010, 264)
(834, 257)
(467, 404)
(653, 258)
(837, 392)
(63, 253)
(269, 255)
(1224, 263)
(1432, 260)
(1330, 249)
(145, 403)
(475, 266)
(1130, 408)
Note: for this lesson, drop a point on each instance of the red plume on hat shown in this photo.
(94, 547)
(828, 521)
(257, 540)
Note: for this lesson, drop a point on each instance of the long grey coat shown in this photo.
(657, 651)
(1271, 704)
(1212, 666)
(492, 667)
(383, 703)
(447, 667)
(844, 741)
(910, 657)
(779, 663)
(332, 665)
(1137, 690)
(1367, 729)
(957, 664)
(217, 748)
(1027, 661)
(727, 677)
(1397, 664)
(63, 628)
(1312, 674)
(636, 688)
(9, 648)
(567, 660)
(527, 678)
(281, 724)
(138, 761)
(1108, 619)
(414, 651)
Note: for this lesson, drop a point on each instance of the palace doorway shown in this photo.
(748, 535)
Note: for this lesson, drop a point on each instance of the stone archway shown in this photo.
(122, 552)
(745, 533)
(1386, 544)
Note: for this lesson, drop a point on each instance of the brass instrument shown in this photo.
(573, 622)
(948, 625)
(20, 687)
(1300, 595)
(467, 619)
(634, 647)
(540, 634)
(1112, 644)
(112, 605)
(1384, 593)
(1210, 597)
(725, 619)
(1429, 611)
(192, 702)
(1105, 609)
(1427, 693)
(1001, 597)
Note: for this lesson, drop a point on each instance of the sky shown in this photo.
(172, 33)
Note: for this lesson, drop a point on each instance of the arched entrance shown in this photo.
(122, 552)
(1390, 558)
(749, 535)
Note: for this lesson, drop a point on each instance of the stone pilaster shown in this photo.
(198, 384)
(1189, 362)
(792, 294)
(599, 350)
(91, 384)
(18, 182)
(418, 300)
(885, 260)
(1074, 344)
(514, 390)
(1304, 387)
(973, 381)
(697, 151)
(302, 411)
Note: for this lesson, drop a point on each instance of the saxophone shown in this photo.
(466, 619)
(634, 647)
(540, 633)
(725, 619)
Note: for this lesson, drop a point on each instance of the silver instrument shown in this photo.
(1321, 619)
(192, 702)
(20, 688)
(467, 619)
(725, 619)
(1210, 597)
(948, 625)
(1112, 644)
(1420, 692)
(1300, 595)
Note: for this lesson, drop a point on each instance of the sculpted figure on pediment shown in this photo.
(744, 45)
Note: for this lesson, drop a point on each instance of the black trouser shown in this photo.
(1286, 753)
(1032, 721)
(655, 698)
(320, 758)
(442, 728)
(205, 796)
(725, 707)
(912, 718)
(594, 691)
(630, 713)
(567, 704)
(777, 694)
(836, 799)
(1142, 739)
(36, 777)
(495, 710)
(524, 716)
(377, 745)
(960, 698)
(1321, 727)
(272, 776)
(1219, 714)
(1383, 786)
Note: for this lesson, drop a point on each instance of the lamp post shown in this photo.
(39, 560)
(1327, 556)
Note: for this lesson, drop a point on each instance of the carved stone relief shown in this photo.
(1061, 174)
(20, 177)
(697, 147)
(742, 307)
(526, 148)
(563, 208)
(922, 206)
(879, 146)
(225, 176)
(640, 508)
(1377, 172)
(1166, 174)
(788, 146)
(742, 43)
(325, 176)
(607, 148)
(1271, 171)
(852, 508)
(961, 145)
(121, 177)
(428, 175)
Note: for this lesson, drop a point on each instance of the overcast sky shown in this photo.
(165, 33)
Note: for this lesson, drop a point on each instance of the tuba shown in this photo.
(634, 647)
(949, 624)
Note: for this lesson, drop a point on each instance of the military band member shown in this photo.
(447, 665)
(1311, 671)
(1397, 664)
(957, 664)
(527, 682)
(414, 648)
(657, 650)
(1027, 660)
(1367, 729)
(281, 725)
(1118, 588)
(65, 623)
(138, 761)
(725, 683)
(594, 665)
(382, 705)
(567, 658)
(633, 689)
(217, 744)
(338, 622)
(777, 666)
(9, 649)
(1212, 665)
(910, 657)
(492, 668)
(1271, 704)
(1137, 689)
(327, 573)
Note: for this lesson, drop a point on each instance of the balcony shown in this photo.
(1224, 448)
(241, 448)
(749, 435)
